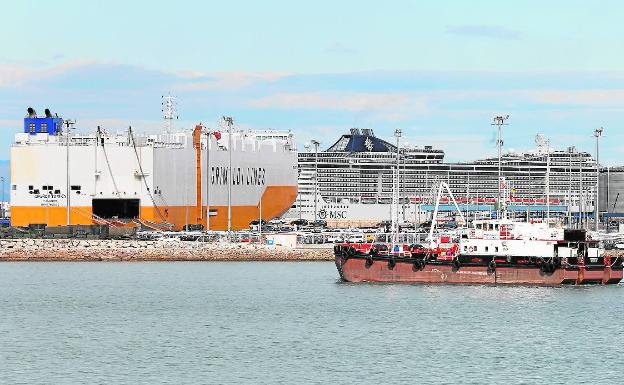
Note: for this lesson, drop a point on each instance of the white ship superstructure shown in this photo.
(353, 180)
(162, 180)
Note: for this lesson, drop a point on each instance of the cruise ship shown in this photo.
(215, 179)
(352, 182)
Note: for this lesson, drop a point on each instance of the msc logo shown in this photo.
(332, 214)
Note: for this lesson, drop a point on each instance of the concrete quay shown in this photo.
(29, 249)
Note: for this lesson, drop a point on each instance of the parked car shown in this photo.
(335, 238)
(356, 238)
(299, 222)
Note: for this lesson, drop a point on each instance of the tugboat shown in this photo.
(491, 251)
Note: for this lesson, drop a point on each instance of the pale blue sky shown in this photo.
(439, 70)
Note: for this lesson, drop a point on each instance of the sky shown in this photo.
(439, 70)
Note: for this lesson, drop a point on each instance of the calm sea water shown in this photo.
(294, 323)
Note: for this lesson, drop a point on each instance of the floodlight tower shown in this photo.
(597, 135)
(395, 195)
(69, 125)
(499, 122)
(316, 144)
(170, 110)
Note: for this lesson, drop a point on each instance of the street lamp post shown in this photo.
(395, 216)
(69, 125)
(597, 134)
(230, 122)
(548, 181)
(2, 178)
(208, 180)
(315, 143)
(499, 121)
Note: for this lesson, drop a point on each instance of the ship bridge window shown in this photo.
(479, 226)
(14, 187)
(75, 188)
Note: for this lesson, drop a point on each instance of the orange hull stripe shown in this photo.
(276, 200)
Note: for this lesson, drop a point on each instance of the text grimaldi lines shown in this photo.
(241, 176)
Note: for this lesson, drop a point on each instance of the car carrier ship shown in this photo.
(215, 179)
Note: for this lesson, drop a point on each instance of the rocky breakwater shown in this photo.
(132, 250)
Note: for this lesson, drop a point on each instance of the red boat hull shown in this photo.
(358, 270)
